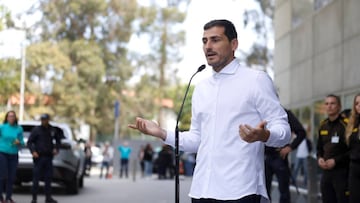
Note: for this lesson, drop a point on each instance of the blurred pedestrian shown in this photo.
(148, 159)
(276, 160)
(353, 141)
(165, 163)
(141, 160)
(302, 153)
(44, 144)
(88, 156)
(11, 139)
(235, 112)
(333, 153)
(189, 163)
(125, 152)
(108, 155)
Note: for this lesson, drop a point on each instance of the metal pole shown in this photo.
(116, 137)
(22, 82)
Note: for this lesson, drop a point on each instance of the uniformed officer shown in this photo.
(43, 150)
(333, 153)
(276, 160)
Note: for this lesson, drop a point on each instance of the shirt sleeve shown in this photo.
(20, 136)
(297, 128)
(271, 111)
(32, 139)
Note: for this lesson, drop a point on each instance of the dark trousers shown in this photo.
(278, 166)
(106, 165)
(354, 182)
(333, 186)
(8, 165)
(246, 199)
(43, 168)
(124, 167)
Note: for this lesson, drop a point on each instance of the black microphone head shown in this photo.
(202, 67)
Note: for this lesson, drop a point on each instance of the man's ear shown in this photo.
(234, 44)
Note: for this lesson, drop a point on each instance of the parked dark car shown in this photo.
(68, 164)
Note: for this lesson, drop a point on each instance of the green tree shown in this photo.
(93, 35)
(161, 25)
(261, 22)
(9, 76)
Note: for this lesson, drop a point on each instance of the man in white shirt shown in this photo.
(235, 112)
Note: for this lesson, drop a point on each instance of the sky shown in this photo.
(199, 13)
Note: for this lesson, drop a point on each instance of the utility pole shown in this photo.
(22, 82)
(116, 134)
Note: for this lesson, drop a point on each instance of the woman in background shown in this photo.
(353, 140)
(11, 138)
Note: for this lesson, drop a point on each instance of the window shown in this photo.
(318, 4)
(300, 11)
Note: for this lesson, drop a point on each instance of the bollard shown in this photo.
(312, 179)
(134, 162)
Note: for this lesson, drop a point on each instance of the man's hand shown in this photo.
(259, 133)
(326, 165)
(148, 127)
(330, 163)
(55, 151)
(35, 155)
(285, 151)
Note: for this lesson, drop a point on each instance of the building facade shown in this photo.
(317, 52)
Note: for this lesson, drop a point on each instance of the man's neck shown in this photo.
(333, 117)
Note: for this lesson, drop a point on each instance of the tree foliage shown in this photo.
(81, 43)
(260, 20)
(77, 44)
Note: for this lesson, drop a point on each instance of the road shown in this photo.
(115, 190)
(140, 190)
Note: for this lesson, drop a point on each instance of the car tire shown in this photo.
(72, 187)
(81, 181)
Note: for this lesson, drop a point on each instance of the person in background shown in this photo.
(333, 153)
(141, 160)
(125, 152)
(44, 144)
(189, 163)
(88, 156)
(302, 154)
(148, 159)
(276, 160)
(165, 163)
(11, 139)
(107, 160)
(353, 141)
(235, 113)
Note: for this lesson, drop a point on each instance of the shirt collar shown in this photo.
(229, 69)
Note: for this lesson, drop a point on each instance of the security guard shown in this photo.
(276, 160)
(333, 153)
(43, 150)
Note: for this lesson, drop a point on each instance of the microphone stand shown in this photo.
(177, 156)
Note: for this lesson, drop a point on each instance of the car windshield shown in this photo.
(28, 128)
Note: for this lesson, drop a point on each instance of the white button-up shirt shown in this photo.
(227, 167)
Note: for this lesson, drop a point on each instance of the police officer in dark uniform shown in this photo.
(44, 143)
(333, 153)
(276, 161)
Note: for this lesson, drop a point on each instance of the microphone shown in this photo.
(177, 156)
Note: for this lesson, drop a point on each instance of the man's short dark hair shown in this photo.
(336, 97)
(45, 116)
(229, 28)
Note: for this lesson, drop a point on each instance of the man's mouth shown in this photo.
(210, 54)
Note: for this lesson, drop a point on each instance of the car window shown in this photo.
(28, 128)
